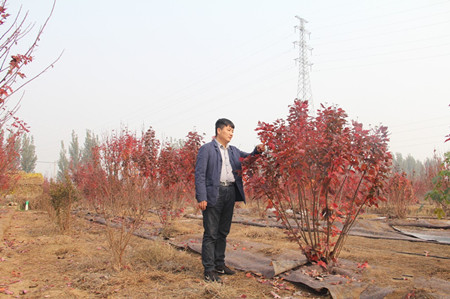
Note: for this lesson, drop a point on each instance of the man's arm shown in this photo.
(200, 177)
(256, 151)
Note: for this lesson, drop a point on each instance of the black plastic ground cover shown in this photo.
(343, 280)
(292, 266)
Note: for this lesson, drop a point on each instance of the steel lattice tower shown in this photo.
(304, 84)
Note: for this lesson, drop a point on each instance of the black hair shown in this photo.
(223, 122)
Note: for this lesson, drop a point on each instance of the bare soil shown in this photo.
(37, 261)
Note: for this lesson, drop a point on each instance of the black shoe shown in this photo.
(211, 276)
(222, 269)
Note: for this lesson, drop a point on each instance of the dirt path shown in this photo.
(38, 262)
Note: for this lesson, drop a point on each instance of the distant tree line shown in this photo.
(413, 167)
(76, 155)
(419, 173)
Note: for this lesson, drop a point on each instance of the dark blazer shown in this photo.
(208, 168)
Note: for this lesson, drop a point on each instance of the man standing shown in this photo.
(218, 185)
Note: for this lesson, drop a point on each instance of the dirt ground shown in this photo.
(37, 261)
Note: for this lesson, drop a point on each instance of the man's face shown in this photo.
(225, 134)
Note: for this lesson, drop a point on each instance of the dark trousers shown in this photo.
(216, 224)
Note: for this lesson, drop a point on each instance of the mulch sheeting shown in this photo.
(433, 235)
(379, 228)
(343, 282)
(420, 222)
(345, 278)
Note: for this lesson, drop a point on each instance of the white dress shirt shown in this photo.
(226, 174)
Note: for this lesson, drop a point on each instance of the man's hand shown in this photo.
(260, 148)
(202, 205)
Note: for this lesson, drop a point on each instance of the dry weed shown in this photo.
(162, 256)
(216, 290)
(179, 228)
(271, 251)
(254, 232)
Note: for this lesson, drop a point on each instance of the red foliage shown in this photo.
(161, 179)
(400, 194)
(9, 158)
(322, 168)
(117, 187)
(12, 37)
(117, 169)
(176, 169)
(148, 161)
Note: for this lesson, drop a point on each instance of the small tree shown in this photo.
(12, 79)
(176, 169)
(8, 160)
(28, 156)
(62, 196)
(400, 194)
(74, 152)
(323, 169)
(188, 154)
(168, 202)
(119, 188)
(63, 163)
(440, 194)
(90, 142)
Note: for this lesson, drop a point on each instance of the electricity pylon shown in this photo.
(304, 83)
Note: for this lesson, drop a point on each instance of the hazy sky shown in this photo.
(181, 65)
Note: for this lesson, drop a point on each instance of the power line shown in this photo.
(381, 16)
(208, 75)
(387, 53)
(419, 121)
(383, 45)
(384, 62)
(385, 32)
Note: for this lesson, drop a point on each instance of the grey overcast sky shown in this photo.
(180, 65)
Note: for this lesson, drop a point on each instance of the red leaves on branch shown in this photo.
(118, 184)
(11, 38)
(17, 61)
(9, 158)
(134, 174)
(176, 172)
(400, 194)
(323, 168)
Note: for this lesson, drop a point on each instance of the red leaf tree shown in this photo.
(12, 79)
(400, 194)
(8, 160)
(176, 174)
(324, 170)
(120, 183)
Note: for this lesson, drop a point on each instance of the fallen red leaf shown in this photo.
(322, 264)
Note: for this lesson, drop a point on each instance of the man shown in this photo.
(218, 185)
